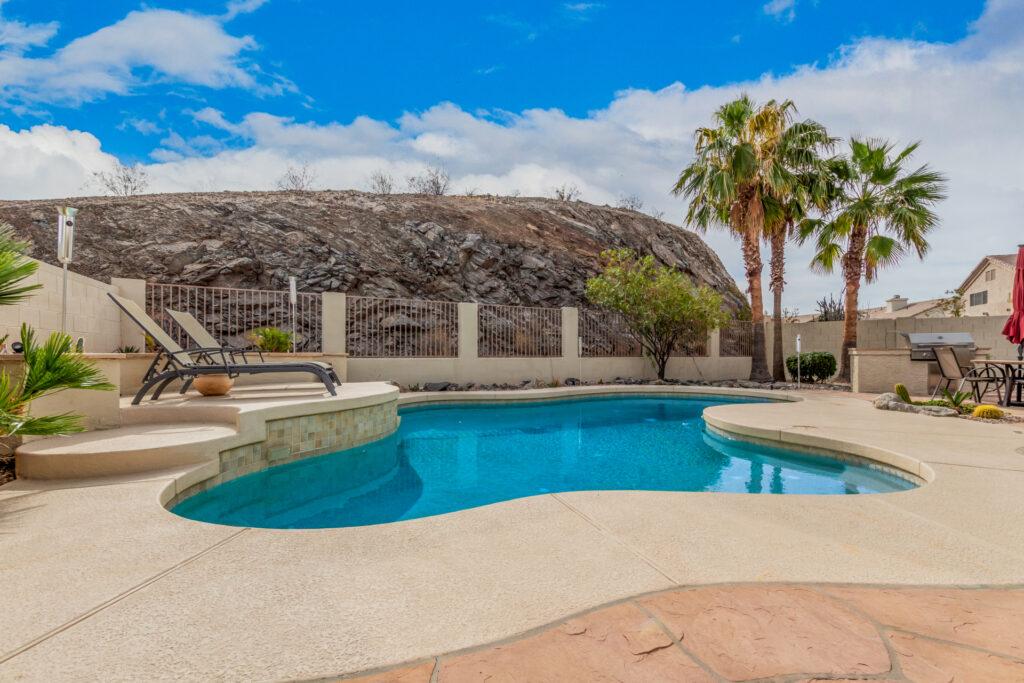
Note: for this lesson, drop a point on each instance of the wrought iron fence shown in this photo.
(737, 339)
(519, 332)
(401, 328)
(604, 334)
(230, 314)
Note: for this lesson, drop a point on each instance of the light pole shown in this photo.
(293, 297)
(798, 359)
(65, 245)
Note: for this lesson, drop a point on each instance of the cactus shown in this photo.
(902, 392)
(988, 412)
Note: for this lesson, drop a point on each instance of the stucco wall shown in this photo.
(91, 314)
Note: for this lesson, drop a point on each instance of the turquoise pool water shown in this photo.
(456, 456)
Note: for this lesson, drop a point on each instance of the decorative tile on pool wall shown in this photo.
(306, 436)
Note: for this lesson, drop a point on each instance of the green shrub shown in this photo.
(904, 393)
(271, 339)
(815, 366)
(987, 412)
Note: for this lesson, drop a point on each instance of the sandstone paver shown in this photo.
(745, 632)
(929, 661)
(619, 643)
(992, 619)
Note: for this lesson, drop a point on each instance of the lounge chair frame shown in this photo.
(175, 363)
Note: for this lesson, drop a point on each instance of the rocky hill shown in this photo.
(525, 251)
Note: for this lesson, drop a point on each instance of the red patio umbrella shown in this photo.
(1014, 329)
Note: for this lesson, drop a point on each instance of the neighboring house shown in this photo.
(987, 290)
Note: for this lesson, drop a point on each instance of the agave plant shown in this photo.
(50, 367)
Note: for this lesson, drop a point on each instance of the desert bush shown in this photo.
(271, 339)
(902, 391)
(815, 366)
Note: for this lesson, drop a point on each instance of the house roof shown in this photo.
(1009, 260)
(912, 309)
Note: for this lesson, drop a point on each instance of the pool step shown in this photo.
(125, 450)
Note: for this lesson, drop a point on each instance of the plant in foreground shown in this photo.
(49, 368)
(902, 391)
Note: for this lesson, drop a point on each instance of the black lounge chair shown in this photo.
(175, 363)
(204, 340)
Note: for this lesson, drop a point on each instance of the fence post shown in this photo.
(134, 290)
(333, 322)
(468, 331)
(570, 333)
(715, 343)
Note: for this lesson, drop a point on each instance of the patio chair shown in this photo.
(175, 363)
(981, 381)
(204, 340)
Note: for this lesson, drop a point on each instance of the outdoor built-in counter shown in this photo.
(876, 371)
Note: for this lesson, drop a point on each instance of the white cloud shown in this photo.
(142, 126)
(150, 45)
(16, 36)
(784, 10)
(962, 99)
(236, 7)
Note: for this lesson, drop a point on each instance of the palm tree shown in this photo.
(809, 190)
(882, 211)
(737, 164)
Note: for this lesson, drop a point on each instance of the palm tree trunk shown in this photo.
(778, 282)
(754, 228)
(853, 265)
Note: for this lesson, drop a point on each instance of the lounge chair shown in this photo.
(981, 381)
(204, 340)
(175, 363)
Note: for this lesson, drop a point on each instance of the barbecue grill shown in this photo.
(922, 344)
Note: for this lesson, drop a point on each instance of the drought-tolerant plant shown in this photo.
(904, 393)
(814, 366)
(957, 399)
(51, 367)
(127, 348)
(660, 305)
(987, 412)
(830, 309)
(271, 339)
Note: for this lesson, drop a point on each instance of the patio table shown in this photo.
(1013, 373)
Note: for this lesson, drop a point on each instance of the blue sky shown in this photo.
(347, 59)
(514, 98)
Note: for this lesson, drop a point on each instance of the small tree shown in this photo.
(382, 182)
(630, 202)
(433, 181)
(830, 309)
(661, 306)
(123, 181)
(566, 192)
(298, 179)
(953, 304)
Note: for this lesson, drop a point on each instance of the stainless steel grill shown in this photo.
(922, 344)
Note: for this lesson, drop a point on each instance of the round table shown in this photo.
(1013, 374)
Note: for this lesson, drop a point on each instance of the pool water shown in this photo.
(457, 456)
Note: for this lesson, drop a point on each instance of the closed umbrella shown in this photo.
(1014, 329)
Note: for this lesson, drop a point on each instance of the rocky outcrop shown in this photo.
(524, 251)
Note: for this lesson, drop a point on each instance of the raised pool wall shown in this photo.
(296, 438)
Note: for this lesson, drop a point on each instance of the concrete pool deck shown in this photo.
(104, 583)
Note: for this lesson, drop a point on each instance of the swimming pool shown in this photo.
(455, 456)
